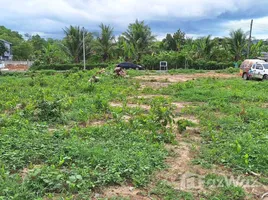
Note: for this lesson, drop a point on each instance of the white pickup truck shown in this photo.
(254, 69)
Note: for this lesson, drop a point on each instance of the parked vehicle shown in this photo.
(254, 68)
(127, 65)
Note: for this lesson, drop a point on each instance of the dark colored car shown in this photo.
(127, 65)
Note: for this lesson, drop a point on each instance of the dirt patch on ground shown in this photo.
(126, 191)
(24, 173)
(265, 105)
(130, 105)
(153, 85)
(92, 123)
(180, 105)
(167, 79)
(148, 96)
(190, 118)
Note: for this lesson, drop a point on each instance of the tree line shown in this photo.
(137, 44)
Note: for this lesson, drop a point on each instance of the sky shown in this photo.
(196, 18)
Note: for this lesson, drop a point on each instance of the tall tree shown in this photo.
(73, 42)
(23, 51)
(52, 53)
(38, 43)
(237, 44)
(204, 47)
(179, 37)
(169, 43)
(140, 36)
(105, 42)
(125, 50)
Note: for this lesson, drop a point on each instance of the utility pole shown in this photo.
(249, 39)
(84, 49)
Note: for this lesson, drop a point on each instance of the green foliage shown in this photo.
(50, 54)
(182, 124)
(48, 110)
(233, 118)
(204, 47)
(37, 42)
(11, 36)
(166, 192)
(3, 48)
(68, 66)
(226, 193)
(230, 70)
(237, 44)
(73, 42)
(140, 36)
(177, 60)
(161, 112)
(40, 156)
(105, 42)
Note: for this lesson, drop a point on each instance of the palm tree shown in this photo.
(105, 42)
(73, 42)
(204, 47)
(237, 43)
(140, 36)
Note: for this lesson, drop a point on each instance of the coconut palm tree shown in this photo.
(237, 43)
(73, 42)
(204, 47)
(124, 50)
(140, 36)
(105, 42)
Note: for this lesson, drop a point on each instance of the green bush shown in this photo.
(210, 65)
(68, 66)
(177, 60)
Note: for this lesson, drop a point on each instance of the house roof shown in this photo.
(5, 41)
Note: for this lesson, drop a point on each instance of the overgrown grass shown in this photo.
(48, 149)
(44, 149)
(234, 120)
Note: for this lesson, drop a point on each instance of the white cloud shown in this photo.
(53, 15)
(259, 29)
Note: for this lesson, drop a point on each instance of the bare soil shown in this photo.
(130, 105)
(148, 96)
(18, 67)
(164, 79)
(92, 123)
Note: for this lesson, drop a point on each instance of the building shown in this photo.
(264, 56)
(8, 54)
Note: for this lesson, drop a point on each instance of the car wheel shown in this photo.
(265, 77)
(245, 76)
(137, 68)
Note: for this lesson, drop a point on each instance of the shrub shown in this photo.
(48, 110)
(177, 60)
(68, 66)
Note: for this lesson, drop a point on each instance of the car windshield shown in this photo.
(265, 66)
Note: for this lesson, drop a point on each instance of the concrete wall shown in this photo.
(16, 65)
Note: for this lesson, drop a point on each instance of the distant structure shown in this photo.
(264, 56)
(8, 54)
(163, 66)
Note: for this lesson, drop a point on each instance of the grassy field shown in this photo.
(64, 137)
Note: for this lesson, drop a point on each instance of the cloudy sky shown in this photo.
(195, 17)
